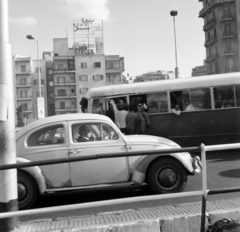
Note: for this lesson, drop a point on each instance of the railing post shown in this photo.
(8, 178)
(204, 187)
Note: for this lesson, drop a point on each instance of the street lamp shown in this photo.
(40, 99)
(174, 13)
(39, 77)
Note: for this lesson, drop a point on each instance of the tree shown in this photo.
(19, 112)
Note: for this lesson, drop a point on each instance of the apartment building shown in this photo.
(78, 69)
(222, 35)
(26, 81)
(63, 78)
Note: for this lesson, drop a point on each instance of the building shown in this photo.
(26, 81)
(155, 76)
(76, 70)
(66, 76)
(222, 35)
(200, 70)
(62, 82)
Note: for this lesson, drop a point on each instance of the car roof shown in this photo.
(60, 118)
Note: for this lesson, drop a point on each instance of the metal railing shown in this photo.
(204, 192)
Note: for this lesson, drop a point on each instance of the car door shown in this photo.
(104, 139)
(48, 142)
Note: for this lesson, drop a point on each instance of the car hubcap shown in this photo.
(22, 192)
(167, 177)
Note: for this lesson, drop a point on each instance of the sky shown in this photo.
(141, 31)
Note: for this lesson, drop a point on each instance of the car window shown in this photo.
(47, 136)
(90, 132)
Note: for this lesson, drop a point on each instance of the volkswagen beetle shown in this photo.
(76, 135)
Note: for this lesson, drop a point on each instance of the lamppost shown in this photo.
(40, 99)
(39, 77)
(174, 13)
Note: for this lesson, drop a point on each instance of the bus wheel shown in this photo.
(167, 176)
(27, 190)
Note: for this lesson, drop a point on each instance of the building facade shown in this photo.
(222, 35)
(73, 72)
(65, 78)
(26, 81)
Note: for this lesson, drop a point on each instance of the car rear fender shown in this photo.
(141, 167)
(36, 173)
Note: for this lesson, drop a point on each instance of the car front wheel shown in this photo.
(167, 176)
(27, 190)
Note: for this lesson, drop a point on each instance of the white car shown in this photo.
(76, 135)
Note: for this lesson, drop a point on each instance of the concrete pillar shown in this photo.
(8, 178)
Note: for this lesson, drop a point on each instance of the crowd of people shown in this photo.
(127, 116)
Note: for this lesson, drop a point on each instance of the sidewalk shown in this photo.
(182, 217)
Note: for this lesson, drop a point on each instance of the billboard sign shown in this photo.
(88, 36)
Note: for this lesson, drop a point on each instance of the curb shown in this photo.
(179, 218)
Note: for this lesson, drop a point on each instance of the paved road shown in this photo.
(223, 171)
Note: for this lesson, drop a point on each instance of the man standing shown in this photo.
(131, 121)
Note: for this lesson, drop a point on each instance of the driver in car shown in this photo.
(85, 134)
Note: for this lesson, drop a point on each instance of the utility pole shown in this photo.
(8, 178)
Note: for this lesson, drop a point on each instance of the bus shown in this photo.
(210, 107)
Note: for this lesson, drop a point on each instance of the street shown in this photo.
(223, 171)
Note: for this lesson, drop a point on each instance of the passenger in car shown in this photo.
(85, 134)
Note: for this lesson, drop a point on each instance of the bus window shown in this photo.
(176, 98)
(135, 99)
(224, 97)
(200, 99)
(99, 106)
(191, 100)
(157, 103)
(237, 92)
(120, 101)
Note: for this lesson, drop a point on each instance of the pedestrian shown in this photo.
(84, 104)
(131, 121)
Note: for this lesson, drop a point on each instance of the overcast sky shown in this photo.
(141, 31)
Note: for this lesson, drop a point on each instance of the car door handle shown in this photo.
(74, 151)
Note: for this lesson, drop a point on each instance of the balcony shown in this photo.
(24, 84)
(71, 95)
(63, 70)
(212, 5)
(27, 72)
(228, 52)
(227, 18)
(210, 24)
(27, 110)
(24, 97)
(67, 108)
(65, 82)
(227, 35)
(210, 42)
(212, 58)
